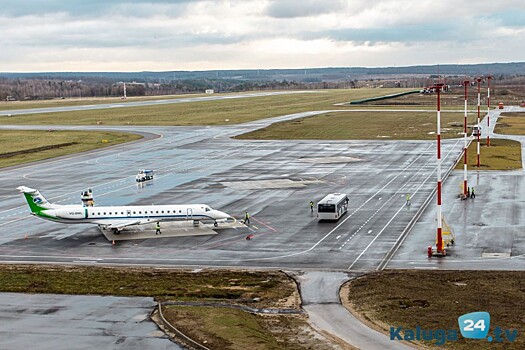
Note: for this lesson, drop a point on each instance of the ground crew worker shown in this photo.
(247, 218)
(408, 199)
(157, 229)
(468, 192)
(311, 207)
(472, 195)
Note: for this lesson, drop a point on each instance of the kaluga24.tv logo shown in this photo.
(474, 325)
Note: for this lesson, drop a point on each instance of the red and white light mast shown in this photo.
(479, 111)
(465, 161)
(488, 108)
(439, 243)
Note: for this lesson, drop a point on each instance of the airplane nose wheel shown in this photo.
(216, 224)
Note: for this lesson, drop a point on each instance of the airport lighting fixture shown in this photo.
(479, 111)
(489, 77)
(466, 83)
(439, 241)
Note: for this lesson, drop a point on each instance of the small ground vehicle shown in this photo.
(144, 175)
(500, 105)
(332, 207)
(476, 129)
(87, 198)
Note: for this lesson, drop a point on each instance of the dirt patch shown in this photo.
(228, 329)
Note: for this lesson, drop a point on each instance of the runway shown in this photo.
(273, 180)
(126, 104)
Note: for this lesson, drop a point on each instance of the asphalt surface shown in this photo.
(49, 321)
(489, 229)
(320, 298)
(204, 165)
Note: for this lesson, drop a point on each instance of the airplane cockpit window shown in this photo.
(208, 208)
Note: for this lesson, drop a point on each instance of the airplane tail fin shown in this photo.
(36, 201)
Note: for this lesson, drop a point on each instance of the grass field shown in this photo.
(17, 140)
(364, 125)
(230, 329)
(222, 112)
(501, 155)
(226, 286)
(435, 299)
(511, 124)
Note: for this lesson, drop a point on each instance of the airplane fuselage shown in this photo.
(118, 217)
(96, 215)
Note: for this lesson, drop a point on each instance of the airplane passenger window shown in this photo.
(162, 212)
(180, 211)
(134, 212)
(140, 212)
(168, 211)
(104, 213)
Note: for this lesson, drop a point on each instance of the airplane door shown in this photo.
(189, 214)
(128, 213)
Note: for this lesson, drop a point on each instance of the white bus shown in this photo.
(332, 207)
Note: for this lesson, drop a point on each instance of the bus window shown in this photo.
(326, 208)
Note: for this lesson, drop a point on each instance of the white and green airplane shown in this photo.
(116, 218)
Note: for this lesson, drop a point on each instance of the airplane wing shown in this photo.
(120, 224)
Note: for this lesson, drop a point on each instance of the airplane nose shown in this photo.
(219, 215)
(223, 215)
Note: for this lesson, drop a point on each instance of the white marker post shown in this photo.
(465, 161)
(439, 243)
(479, 111)
(488, 108)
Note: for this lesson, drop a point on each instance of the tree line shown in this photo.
(21, 89)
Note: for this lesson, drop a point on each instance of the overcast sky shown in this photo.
(136, 35)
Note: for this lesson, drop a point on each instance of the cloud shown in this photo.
(79, 8)
(304, 8)
(227, 34)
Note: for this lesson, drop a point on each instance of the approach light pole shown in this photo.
(439, 241)
(479, 111)
(466, 83)
(488, 108)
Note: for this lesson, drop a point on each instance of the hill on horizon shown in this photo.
(304, 75)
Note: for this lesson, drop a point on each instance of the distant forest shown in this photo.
(30, 86)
